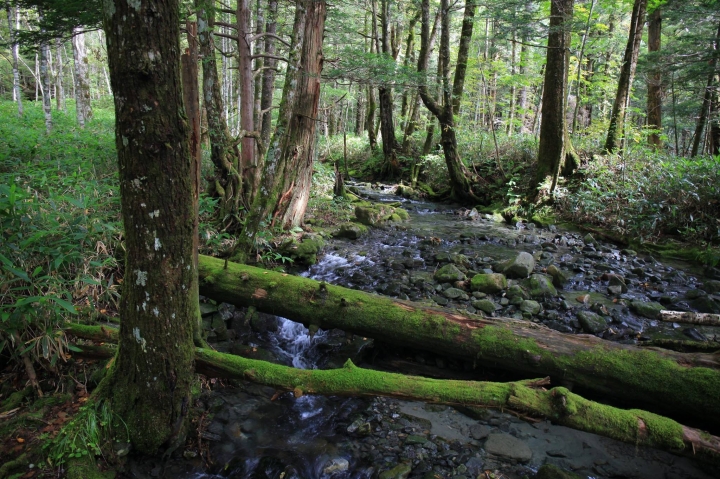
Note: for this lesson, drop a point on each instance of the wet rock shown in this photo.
(617, 280)
(449, 274)
(336, 465)
(530, 307)
(706, 304)
(515, 291)
(219, 327)
(401, 471)
(711, 286)
(694, 334)
(591, 322)
(589, 239)
(559, 277)
(351, 231)
(508, 447)
(480, 431)
(306, 252)
(540, 286)
(650, 310)
(373, 215)
(488, 283)
(442, 301)
(484, 305)
(694, 293)
(455, 293)
(521, 266)
(208, 309)
(414, 439)
(549, 471)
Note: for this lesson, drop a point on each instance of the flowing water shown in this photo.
(256, 433)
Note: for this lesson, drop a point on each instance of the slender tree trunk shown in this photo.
(632, 50)
(45, 79)
(59, 89)
(248, 159)
(83, 109)
(655, 90)
(715, 120)
(707, 96)
(359, 113)
(268, 84)
(13, 15)
(553, 128)
(459, 176)
(578, 79)
(513, 89)
(150, 382)
(227, 184)
(259, 64)
(287, 171)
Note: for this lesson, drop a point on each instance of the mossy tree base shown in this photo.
(668, 382)
(527, 398)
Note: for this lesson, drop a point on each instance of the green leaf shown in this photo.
(66, 304)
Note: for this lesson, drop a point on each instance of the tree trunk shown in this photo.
(715, 119)
(463, 53)
(665, 381)
(83, 109)
(13, 15)
(524, 398)
(655, 90)
(459, 175)
(553, 128)
(248, 159)
(390, 167)
(578, 82)
(287, 172)
(707, 96)
(227, 184)
(59, 90)
(268, 84)
(45, 79)
(150, 382)
(614, 139)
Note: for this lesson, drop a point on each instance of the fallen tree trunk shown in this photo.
(528, 397)
(676, 384)
(705, 319)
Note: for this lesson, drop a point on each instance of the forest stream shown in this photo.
(255, 433)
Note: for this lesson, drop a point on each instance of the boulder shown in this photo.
(531, 307)
(401, 471)
(650, 310)
(521, 266)
(488, 283)
(351, 231)
(484, 305)
(508, 447)
(540, 286)
(449, 274)
(591, 322)
(559, 277)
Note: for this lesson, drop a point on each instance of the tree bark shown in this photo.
(59, 72)
(655, 90)
(663, 381)
(45, 79)
(614, 139)
(227, 183)
(707, 97)
(83, 108)
(150, 382)
(554, 140)
(525, 398)
(707, 319)
(248, 158)
(270, 64)
(390, 167)
(460, 177)
(13, 26)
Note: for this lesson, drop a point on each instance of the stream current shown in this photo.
(255, 433)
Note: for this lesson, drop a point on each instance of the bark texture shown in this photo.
(613, 142)
(663, 381)
(707, 98)
(655, 90)
(13, 16)
(149, 385)
(83, 108)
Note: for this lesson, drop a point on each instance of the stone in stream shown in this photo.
(508, 447)
(351, 231)
(401, 471)
(338, 464)
(484, 305)
(521, 266)
(455, 293)
(488, 283)
(449, 274)
(650, 310)
(589, 239)
(515, 291)
(706, 304)
(531, 307)
(540, 286)
(617, 280)
(559, 277)
(549, 471)
(591, 322)
(480, 431)
(711, 286)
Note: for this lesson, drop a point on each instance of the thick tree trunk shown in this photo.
(390, 167)
(83, 109)
(13, 26)
(664, 381)
(715, 119)
(149, 384)
(462, 58)
(270, 64)
(287, 171)
(553, 128)
(227, 184)
(525, 398)
(614, 139)
(248, 158)
(655, 90)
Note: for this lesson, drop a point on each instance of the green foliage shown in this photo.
(60, 228)
(90, 433)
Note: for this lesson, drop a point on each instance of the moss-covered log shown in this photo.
(676, 384)
(528, 397)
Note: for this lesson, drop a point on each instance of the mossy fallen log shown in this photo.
(675, 384)
(526, 398)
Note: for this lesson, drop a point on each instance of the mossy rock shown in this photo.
(401, 471)
(373, 215)
(540, 286)
(521, 266)
(549, 471)
(705, 304)
(305, 252)
(559, 276)
(484, 305)
(650, 310)
(449, 274)
(516, 291)
(591, 323)
(351, 230)
(530, 307)
(488, 283)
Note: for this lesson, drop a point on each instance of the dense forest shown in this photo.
(485, 205)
